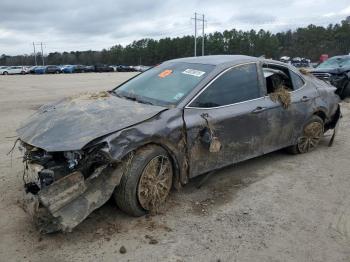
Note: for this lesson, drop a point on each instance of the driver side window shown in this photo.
(236, 85)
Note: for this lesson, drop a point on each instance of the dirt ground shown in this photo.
(277, 207)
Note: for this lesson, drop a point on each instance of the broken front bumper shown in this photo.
(67, 202)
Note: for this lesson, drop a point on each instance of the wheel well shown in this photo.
(321, 114)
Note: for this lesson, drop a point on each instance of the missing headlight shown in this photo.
(73, 158)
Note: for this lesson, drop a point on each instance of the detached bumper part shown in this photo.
(67, 202)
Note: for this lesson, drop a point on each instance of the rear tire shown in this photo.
(309, 140)
(146, 181)
(5, 73)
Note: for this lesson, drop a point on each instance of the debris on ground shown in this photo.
(122, 250)
(282, 95)
(152, 240)
(202, 207)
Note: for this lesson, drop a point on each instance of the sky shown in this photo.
(71, 25)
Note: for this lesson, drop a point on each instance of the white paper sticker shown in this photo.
(193, 72)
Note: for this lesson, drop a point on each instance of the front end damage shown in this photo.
(63, 188)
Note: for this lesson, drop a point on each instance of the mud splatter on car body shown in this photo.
(77, 149)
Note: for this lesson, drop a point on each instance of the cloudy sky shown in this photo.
(66, 25)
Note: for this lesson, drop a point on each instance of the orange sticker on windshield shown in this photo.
(165, 73)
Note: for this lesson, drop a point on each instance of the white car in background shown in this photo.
(13, 70)
(2, 69)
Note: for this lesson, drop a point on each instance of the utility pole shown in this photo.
(195, 33)
(42, 52)
(34, 53)
(203, 36)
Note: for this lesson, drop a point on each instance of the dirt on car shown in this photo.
(276, 207)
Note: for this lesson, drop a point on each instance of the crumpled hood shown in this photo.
(73, 122)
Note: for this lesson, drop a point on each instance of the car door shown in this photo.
(12, 70)
(285, 122)
(224, 121)
(17, 70)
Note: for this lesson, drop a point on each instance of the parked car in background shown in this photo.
(296, 61)
(79, 69)
(67, 69)
(3, 69)
(89, 68)
(103, 68)
(115, 68)
(27, 69)
(52, 69)
(14, 70)
(336, 70)
(125, 68)
(300, 62)
(73, 69)
(141, 68)
(31, 70)
(39, 70)
(174, 122)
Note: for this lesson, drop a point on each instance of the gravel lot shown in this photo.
(277, 207)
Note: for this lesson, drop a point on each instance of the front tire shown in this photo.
(146, 181)
(312, 135)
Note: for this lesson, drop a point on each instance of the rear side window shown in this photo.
(236, 85)
(297, 81)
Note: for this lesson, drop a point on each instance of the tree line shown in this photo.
(309, 42)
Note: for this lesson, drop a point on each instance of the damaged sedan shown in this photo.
(178, 120)
(336, 70)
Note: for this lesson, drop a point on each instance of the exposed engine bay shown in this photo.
(57, 183)
(53, 166)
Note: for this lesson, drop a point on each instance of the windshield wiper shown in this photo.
(132, 98)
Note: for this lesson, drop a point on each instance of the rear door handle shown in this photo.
(259, 109)
(305, 99)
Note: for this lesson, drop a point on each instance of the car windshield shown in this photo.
(335, 62)
(165, 84)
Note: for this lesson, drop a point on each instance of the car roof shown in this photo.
(217, 59)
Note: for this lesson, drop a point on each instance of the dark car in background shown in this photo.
(175, 121)
(336, 70)
(52, 69)
(79, 69)
(103, 68)
(89, 68)
(125, 68)
(31, 70)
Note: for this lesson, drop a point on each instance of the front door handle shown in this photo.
(259, 109)
(305, 99)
